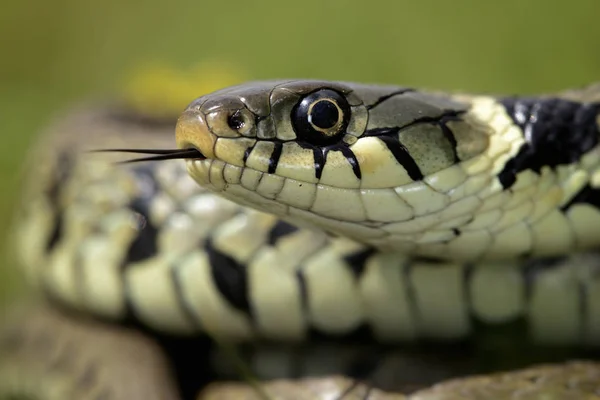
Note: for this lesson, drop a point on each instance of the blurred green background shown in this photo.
(55, 53)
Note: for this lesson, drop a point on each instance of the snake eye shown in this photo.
(321, 117)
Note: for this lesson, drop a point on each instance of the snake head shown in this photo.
(382, 165)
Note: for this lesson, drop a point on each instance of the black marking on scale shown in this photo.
(320, 157)
(184, 305)
(351, 158)
(402, 155)
(144, 245)
(279, 230)
(358, 261)
(587, 195)
(62, 173)
(57, 231)
(303, 286)
(247, 153)
(274, 159)
(448, 134)
(390, 136)
(230, 277)
(319, 161)
(556, 132)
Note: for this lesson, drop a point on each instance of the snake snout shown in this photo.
(192, 132)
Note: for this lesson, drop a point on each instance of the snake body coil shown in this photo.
(329, 207)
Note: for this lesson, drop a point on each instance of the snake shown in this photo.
(286, 210)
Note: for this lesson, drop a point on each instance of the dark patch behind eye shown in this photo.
(556, 132)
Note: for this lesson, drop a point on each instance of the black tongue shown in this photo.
(158, 154)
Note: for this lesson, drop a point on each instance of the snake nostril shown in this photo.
(236, 121)
(192, 132)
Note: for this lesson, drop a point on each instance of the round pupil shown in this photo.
(324, 114)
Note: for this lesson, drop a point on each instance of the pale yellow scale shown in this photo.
(439, 299)
(585, 220)
(291, 194)
(270, 186)
(378, 166)
(387, 302)
(336, 170)
(296, 163)
(332, 288)
(497, 293)
(241, 236)
(554, 307)
(100, 256)
(158, 308)
(259, 156)
(102, 280)
(383, 205)
(422, 199)
(338, 203)
(276, 296)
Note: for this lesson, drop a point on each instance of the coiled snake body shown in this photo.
(321, 207)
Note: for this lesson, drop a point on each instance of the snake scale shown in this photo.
(303, 209)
